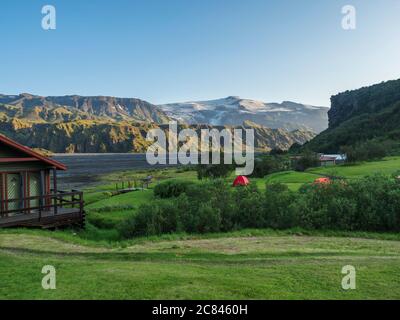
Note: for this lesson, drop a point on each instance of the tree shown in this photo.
(307, 159)
(214, 171)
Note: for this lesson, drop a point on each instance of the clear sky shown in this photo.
(179, 50)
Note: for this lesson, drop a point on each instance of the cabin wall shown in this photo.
(23, 174)
(24, 170)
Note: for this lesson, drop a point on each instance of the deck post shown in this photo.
(55, 190)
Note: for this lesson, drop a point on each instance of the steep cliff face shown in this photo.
(356, 116)
(367, 100)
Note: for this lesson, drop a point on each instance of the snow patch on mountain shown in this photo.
(234, 111)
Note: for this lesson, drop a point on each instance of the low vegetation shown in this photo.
(252, 264)
(368, 204)
(185, 238)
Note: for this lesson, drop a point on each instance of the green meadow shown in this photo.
(250, 264)
(246, 265)
(388, 165)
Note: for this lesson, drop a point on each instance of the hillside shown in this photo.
(94, 136)
(69, 108)
(356, 116)
(235, 110)
(78, 124)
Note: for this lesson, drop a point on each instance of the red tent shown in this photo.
(241, 181)
(322, 181)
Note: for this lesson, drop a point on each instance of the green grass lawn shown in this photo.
(386, 166)
(294, 180)
(273, 266)
(134, 199)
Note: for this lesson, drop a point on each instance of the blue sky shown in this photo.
(179, 50)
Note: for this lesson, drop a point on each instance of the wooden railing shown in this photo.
(49, 202)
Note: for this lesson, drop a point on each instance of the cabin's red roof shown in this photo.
(31, 153)
(241, 181)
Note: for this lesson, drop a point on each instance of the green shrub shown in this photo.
(266, 165)
(307, 159)
(368, 150)
(368, 204)
(113, 208)
(277, 202)
(214, 171)
(171, 188)
(154, 218)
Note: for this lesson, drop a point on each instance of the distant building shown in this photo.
(331, 159)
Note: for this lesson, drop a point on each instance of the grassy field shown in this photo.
(386, 166)
(234, 266)
(294, 180)
(251, 264)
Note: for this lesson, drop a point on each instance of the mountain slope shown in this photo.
(88, 136)
(108, 124)
(359, 115)
(68, 108)
(235, 111)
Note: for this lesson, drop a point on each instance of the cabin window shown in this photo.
(14, 190)
(34, 188)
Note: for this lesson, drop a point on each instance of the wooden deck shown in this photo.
(60, 210)
(48, 219)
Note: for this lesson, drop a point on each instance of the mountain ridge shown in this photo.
(74, 123)
(76, 107)
(88, 136)
(234, 110)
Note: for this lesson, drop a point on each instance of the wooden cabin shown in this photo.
(28, 190)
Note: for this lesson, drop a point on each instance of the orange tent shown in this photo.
(241, 181)
(322, 181)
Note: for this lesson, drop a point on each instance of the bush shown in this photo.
(368, 204)
(306, 160)
(214, 171)
(368, 150)
(269, 164)
(154, 218)
(278, 213)
(171, 188)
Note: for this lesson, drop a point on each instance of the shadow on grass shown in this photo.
(195, 257)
